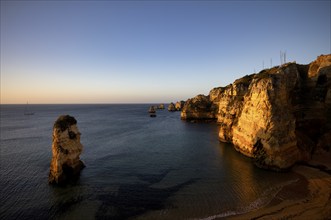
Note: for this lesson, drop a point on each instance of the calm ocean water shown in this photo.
(137, 167)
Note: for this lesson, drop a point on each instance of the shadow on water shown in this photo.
(153, 178)
(136, 199)
(127, 201)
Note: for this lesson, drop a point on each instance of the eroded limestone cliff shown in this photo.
(66, 149)
(179, 105)
(278, 117)
(199, 108)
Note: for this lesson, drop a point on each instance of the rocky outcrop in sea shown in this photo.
(199, 108)
(161, 106)
(179, 105)
(278, 117)
(171, 107)
(66, 149)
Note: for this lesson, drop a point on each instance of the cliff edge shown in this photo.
(278, 117)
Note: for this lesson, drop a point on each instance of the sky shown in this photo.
(149, 51)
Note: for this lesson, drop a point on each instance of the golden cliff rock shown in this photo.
(278, 117)
(66, 149)
(199, 108)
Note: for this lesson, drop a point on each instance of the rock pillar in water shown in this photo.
(66, 149)
(171, 107)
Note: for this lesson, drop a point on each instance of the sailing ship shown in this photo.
(26, 110)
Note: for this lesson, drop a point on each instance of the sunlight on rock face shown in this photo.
(199, 108)
(278, 116)
(66, 149)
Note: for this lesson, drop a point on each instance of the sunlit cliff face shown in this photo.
(66, 149)
(278, 116)
(68, 143)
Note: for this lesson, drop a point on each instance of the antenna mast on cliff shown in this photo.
(282, 57)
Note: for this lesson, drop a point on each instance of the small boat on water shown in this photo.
(26, 110)
(152, 112)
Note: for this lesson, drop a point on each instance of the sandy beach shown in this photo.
(307, 198)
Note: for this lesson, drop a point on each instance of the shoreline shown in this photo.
(309, 197)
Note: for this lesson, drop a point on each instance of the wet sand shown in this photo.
(307, 198)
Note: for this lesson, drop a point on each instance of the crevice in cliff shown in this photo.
(259, 154)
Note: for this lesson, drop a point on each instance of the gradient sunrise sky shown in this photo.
(149, 51)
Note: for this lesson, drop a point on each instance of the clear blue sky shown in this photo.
(149, 51)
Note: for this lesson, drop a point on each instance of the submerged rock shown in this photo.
(66, 149)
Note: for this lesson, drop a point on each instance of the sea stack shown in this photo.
(161, 106)
(152, 112)
(66, 149)
(171, 107)
(179, 105)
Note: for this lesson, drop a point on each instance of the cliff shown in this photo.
(199, 108)
(171, 107)
(278, 117)
(179, 105)
(66, 149)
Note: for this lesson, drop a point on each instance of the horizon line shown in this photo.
(105, 103)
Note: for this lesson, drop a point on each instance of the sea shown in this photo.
(137, 167)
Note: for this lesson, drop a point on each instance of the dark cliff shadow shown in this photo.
(138, 198)
(127, 201)
(153, 178)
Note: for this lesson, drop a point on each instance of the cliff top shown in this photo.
(64, 121)
(322, 62)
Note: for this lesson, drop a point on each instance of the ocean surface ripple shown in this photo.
(137, 167)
